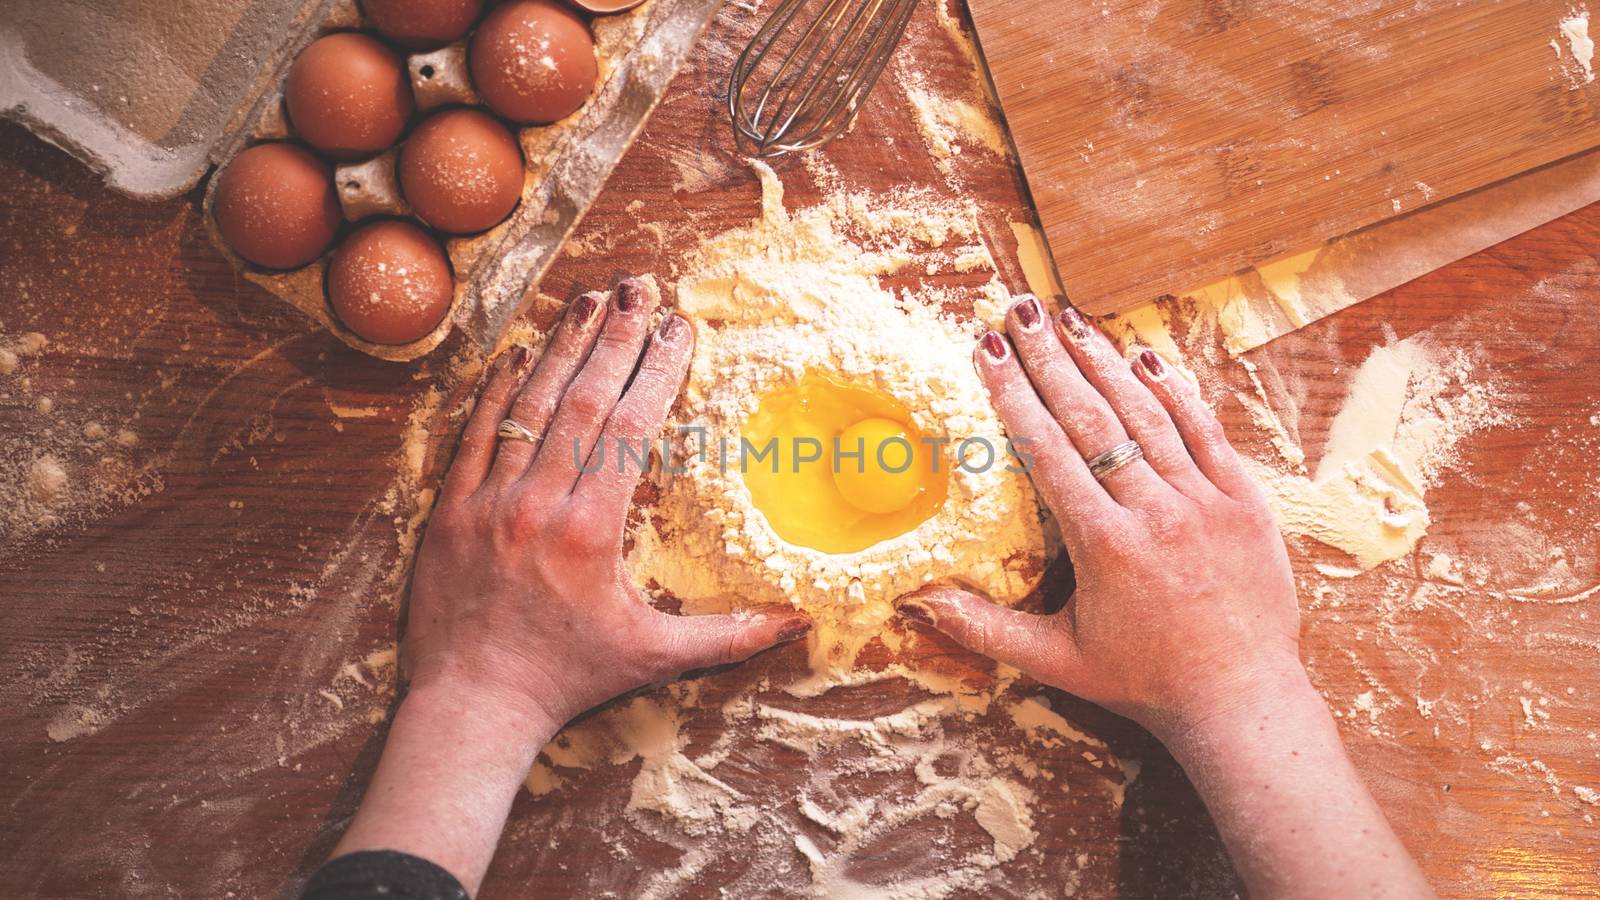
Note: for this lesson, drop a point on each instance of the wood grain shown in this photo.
(167, 652)
(1167, 145)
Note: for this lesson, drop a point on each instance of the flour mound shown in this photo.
(790, 294)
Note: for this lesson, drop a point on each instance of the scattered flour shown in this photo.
(65, 473)
(1407, 408)
(1575, 29)
(680, 797)
(1038, 269)
(949, 120)
(74, 721)
(1256, 305)
(948, 123)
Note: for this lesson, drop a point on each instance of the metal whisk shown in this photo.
(794, 87)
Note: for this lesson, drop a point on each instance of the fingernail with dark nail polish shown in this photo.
(628, 294)
(1028, 313)
(1152, 364)
(670, 328)
(794, 631)
(916, 612)
(994, 345)
(521, 359)
(1073, 324)
(584, 310)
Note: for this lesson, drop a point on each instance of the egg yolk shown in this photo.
(877, 470)
(839, 468)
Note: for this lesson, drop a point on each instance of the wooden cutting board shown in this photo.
(1169, 143)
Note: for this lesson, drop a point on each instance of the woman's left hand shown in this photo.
(520, 591)
(522, 615)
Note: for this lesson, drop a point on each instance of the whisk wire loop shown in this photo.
(797, 86)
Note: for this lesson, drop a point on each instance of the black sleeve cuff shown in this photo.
(385, 874)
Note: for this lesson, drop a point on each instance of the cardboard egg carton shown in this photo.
(143, 153)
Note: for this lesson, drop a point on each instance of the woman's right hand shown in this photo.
(1184, 618)
(1185, 604)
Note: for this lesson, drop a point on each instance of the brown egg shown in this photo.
(422, 24)
(348, 95)
(275, 205)
(390, 282)
(533, 61)
(461, 171)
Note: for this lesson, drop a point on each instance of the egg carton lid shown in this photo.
(148, 94)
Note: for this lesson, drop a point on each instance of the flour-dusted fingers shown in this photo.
(1084, 414)
(536, 403)
(1142, 415)
(1043, 647)
(683, 643)
(593, 393)
(471, 465)
(1059, 473)
(623, 452)
(1202, 433)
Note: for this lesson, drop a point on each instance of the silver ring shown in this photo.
(512, 430)
(1103, 465)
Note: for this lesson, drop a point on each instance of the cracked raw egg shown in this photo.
(390, 282)
(348, 95)
(533, 61)
(846, 469)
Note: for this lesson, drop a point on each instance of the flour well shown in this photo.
(792, 294)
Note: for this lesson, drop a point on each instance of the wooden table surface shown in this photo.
(192, 680)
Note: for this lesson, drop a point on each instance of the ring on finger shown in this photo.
(512, 430)
(1122, 454)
